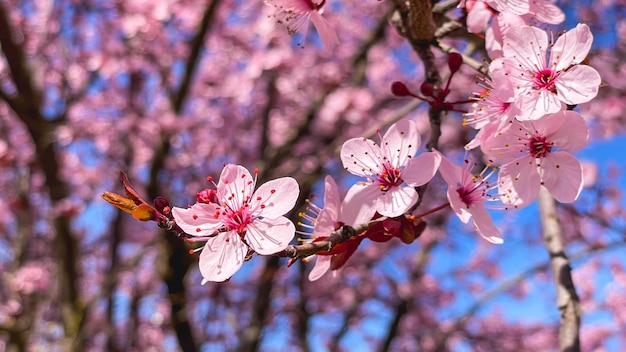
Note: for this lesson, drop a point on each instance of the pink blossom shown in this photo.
(329, 219)
(543, 86)
(243, 218)
(478, 16)
(296, 15)
(492, 109)
(388, 168)
(32, 277)
(535, 153)
(467, 194)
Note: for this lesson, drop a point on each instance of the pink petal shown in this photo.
(268, 236)
(235, 185)
(450, 172)
(578, 85)
(325, 30)
(359, 205)
(199, 220)
(478, 17)
(329, 215)
(421, 169)
(332, 199)
(562, 176)
(566, 129)
(571, 47)
(361, 157)
(518, 181)
(518, 7)
(527, 45)
(458, 206)
(221, 257)
(504, 148)
(484, 225)
(276, 196)
(322, 264)
(546, 12)
(396, 201)
(400, 142)
(535, 104)
(325, 222)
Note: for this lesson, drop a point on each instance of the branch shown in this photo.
(566, 297)
(27, 107)
(513, 282)
(196, 44)
(343, 234)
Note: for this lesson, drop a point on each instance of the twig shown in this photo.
(334, 238)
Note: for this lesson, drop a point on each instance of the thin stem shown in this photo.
(431, 211)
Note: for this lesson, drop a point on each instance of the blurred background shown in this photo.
(168, 91)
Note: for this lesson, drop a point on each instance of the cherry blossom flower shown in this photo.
(543, 86)
(297, 14)
(330, 218)
(467, 194)
(535, 153)
(243, 218)
(388, 168)
(337, 213)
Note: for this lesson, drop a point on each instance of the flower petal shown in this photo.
(322, 264)
(275, 198)
(534, 104)
(235, 186)
(518, 7)
(566, 129)
(546, 12)
(578, 85)
(199, 220)
(562, 175)
(396, 201)
(332, 199)
(571, 47)
(400, 142)
(450, 172)
(527, 45)
(268, 236)
(457, 204)
(361, 157)
(329, 215)
(325, 30)
(359, 205)
(221, 257)
(484, 225)
(518, 181)
(421, 169)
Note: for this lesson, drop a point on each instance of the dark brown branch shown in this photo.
(196, 45)
(567, 299)
(176, 252)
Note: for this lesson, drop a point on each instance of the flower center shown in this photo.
(474, 192)
(545, 79)
(390, 177)
(539, 147)
(238, 220)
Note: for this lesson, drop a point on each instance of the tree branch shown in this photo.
(567, 300)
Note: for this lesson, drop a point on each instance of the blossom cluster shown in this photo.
(526, 126)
